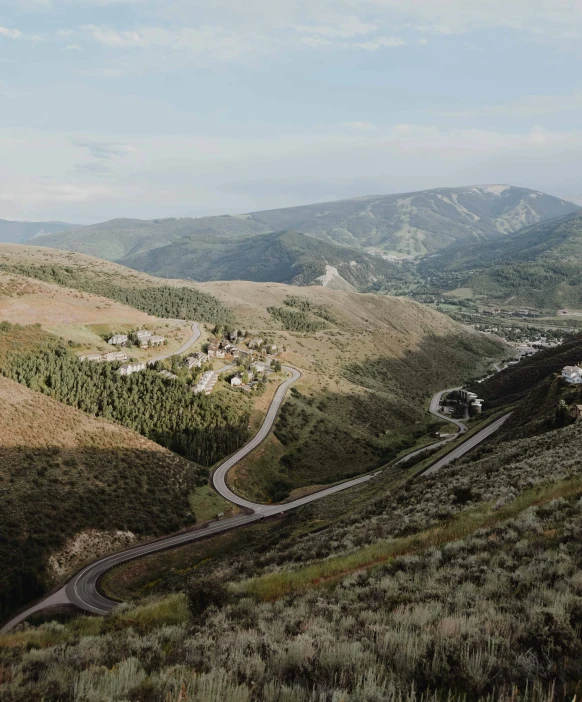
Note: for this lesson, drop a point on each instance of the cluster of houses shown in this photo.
(196, 360)
(258, 368)
(572, 374)
(226, 347)
(145, 339)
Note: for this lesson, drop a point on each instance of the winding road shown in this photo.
(82, 589)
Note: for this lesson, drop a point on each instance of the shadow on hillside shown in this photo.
(48, 495)
(329, 436)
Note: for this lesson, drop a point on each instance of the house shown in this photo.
(260, 367)
(256, 343)
(130, 368)
(214, 350)
(91, 357)
(572, 374)
(118, 340)
(168, 375)
(576, 412)
(196, 360)
(271, 348)
(142, 334)
(157, 340)
(236, 381)
(477, 405)
(115, 356)
(233, 336)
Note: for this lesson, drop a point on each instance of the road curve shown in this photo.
(219, 475)
(434, 409)
(467, 445)
(83, 589)
(185, 346)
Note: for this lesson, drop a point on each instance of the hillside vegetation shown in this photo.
(62, 473)
(198, 427)
(281, 257)
(369, 364)
(538, 266)
(463, 585)
(17, 232)
(411, 224)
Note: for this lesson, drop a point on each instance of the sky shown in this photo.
(174, 108)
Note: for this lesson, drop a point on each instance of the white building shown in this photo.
(196, 360)
(260, 367)
(115, 356)
(143, 333)
(90, 357)
(572, 374)
(118, 340)
(206, 383)
(130, 368)
(157, 340)
(236, 381)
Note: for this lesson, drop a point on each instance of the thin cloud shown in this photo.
(532, 105)
(361, 126)
(104, 150)
(11, 33)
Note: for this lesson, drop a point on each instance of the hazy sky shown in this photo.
(155, 108)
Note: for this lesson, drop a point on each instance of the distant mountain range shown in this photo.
(281, 257)
(19, 232)
(323, 243)
(539, 266)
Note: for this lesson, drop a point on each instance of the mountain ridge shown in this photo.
(407, 224)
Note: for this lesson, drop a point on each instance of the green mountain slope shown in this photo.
(281, 257)
(408, 224)
(464, 585)
(17, 232)
(537, 266)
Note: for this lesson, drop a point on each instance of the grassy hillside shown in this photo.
(63, 473)
(537, 266)
(366, 378)
(146, 293)
(197, 427)
(281, 257)
(17, 232)
(410, 224)
(464, 585)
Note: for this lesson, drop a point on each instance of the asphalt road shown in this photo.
(83, 589)
(467, 445)
(434, 409)
(185, 346)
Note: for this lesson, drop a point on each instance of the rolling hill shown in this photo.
(18, 232)
(280, 257)
(464, 585)
(410, 224)
(539, 266)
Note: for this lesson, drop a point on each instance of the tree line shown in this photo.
(161, 301)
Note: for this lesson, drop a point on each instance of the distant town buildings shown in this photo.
(92, 357)
(118, 340)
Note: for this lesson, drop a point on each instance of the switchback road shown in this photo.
(83, 589)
